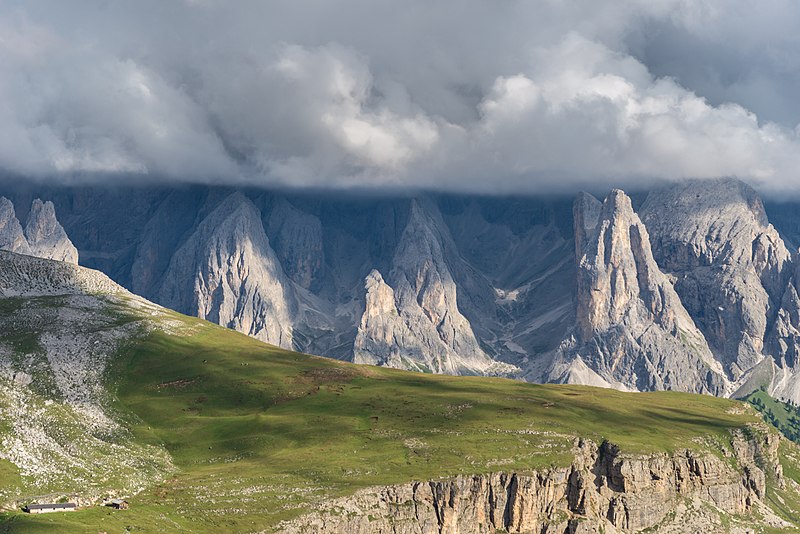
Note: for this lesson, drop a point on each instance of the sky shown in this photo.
(489, 96)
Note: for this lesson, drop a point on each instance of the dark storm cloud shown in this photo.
(468, 95)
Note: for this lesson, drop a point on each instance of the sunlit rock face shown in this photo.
(730, 264)
(414, 321)
(226, 272)
(632, 331)
(43, 236)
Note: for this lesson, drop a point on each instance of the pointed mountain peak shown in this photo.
(226, 272)
(618, 201)
(46, 237)
(374, 278)
(632, 328)
(11, 235)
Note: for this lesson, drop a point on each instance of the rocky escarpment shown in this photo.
(43, 236)
(632, 331)
(604, 490)
(226, 272)
(413, 321)
(12, 237)
(46, 237)
(730, 264)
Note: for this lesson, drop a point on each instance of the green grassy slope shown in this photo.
(784, 416)
(259, 434)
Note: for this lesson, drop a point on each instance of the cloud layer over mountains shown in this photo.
(477, 95)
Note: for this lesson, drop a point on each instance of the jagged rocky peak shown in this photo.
(226, 272)
(619, 276)
(711, 223)
(412, 320)
(632, 330)
(12, 237)
(731, 265)
(46, 237)
(43, 236)
(381, 329)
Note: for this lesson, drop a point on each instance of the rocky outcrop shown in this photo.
(603, 490)
(632, 330)
(227, 273)
(46, 237)
(43, 236)
(413, 321)
(730, 264)
(12, 237)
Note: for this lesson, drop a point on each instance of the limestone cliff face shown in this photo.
(632, 330)
(603, 490)
(730, 264)
(413, 320)
(46, 237)
(43, 236)
(12, 237)
(227, 273)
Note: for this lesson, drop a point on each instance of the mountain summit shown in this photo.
(43, 236)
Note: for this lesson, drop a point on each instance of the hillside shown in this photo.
(221, 432)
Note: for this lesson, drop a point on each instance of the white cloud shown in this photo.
(476, 94)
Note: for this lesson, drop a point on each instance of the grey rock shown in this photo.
(46, 237)
(413, 321)
(43, 236)
(226, 272)
(730, 264)
(632, 331)
(297, 239)
(12, 237)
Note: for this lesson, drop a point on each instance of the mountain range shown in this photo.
(687, 287)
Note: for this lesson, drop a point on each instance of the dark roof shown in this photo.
(54, 506)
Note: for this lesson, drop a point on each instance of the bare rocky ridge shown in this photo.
(414, 322)
(43, 236)
(632, 331)
(227, 273)
(730, 264)
(27, 276)
(12, 237)
(603, 490)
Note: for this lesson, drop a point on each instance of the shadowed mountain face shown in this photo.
(695, 290)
